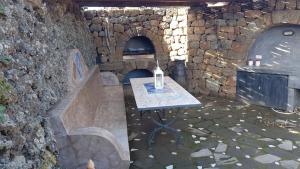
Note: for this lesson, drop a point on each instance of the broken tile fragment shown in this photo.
(266, 139)
(203, 138)
(198, 132)
(247, 156)
(197, 142)
(222, 159)
(236, 129)
(151, 156)
(170, 167)
(132, 136)
(239, 164)
(174, 153)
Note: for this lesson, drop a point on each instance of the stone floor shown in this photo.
(220, 134)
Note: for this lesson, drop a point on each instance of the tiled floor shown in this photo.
(221, 134)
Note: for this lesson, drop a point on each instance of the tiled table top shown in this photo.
(172, 96)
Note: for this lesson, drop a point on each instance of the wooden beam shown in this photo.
(139, 3)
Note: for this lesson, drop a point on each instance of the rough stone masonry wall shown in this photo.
(219, 40)
(165, 27)
(215, 41)
(34, 38)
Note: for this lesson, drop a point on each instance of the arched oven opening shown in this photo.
(139, 47)
(138, 73)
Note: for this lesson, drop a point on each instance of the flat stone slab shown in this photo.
(202, 153)
(266, 139)
(245, 140)
(289, 164)
(236, 129)
(198, 132)
(221, 148)
(286, 145)
(267, 158)
(223, 159)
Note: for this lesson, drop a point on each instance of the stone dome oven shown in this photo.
(139, 47)
(279, 47)
(276, 82)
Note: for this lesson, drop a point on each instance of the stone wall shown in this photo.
(34, 39)
(220, 39)
(165, 27)
(214, 41)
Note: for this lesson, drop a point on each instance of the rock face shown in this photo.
(35, 37)
(213, 42)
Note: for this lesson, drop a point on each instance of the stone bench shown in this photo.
(90, 123)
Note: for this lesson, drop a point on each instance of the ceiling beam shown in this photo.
(139, 3)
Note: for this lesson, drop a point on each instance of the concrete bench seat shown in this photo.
(90, 123)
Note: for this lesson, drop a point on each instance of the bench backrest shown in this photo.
(83, 106)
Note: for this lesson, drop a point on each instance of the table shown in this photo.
(148, 98)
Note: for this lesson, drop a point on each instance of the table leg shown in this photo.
(162, 124)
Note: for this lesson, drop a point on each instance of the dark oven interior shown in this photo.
(139, 45)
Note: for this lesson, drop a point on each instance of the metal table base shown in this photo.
(162, 124)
